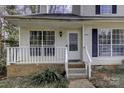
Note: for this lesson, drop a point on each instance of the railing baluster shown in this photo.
(26, 55)
(35, 55)
(14, 55)
(52, 50)
(31, 51)
(41, 54)
(38, 54)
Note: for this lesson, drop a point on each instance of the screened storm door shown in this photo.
(73, 46)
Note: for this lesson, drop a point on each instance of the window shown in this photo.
(106, 9)
(118, 42)
(104, 42)
(44, 39)
(73, 42)
(111, 42)
(59, 9)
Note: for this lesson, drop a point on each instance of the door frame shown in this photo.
(79, 45)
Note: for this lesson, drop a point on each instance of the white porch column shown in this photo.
(82, 30)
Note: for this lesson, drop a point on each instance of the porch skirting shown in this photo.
(15, 70)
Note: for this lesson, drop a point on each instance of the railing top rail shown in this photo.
(36, 47)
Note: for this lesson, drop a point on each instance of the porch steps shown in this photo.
(76, 65)
(77, 70)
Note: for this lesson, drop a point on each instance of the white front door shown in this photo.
(73, 45)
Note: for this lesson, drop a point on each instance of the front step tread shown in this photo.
(77, 70)
(77, 75)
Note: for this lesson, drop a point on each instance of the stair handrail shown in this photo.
(66, 62)
(88, 62)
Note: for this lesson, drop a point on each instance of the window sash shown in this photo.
(106, 9)
(59, 9)
(42, 38)
(116, 49)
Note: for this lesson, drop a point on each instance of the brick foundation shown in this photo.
(14, 70)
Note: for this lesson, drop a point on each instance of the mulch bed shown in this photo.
(108, 78)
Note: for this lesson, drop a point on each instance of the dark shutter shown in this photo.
(94, 43)
(114, 9)
(97, 9)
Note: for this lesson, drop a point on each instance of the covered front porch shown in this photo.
(47, 41)
(50, 42)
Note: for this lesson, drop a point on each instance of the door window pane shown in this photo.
(73, 42)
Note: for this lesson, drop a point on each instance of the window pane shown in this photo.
(118, 36)
(59, 8)
(104, 50)
(73, 41)
(105, 9)
(118, 50)
(104, 42)
(48, 38)
(118, 42)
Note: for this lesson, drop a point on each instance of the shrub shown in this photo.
(49, 76)
(2, 69)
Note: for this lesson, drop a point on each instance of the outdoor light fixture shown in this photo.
(60, 33)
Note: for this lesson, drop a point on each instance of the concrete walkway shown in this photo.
(80, 83)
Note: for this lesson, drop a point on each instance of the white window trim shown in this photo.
(110, 44)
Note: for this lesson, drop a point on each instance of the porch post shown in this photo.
(8, 57)
(66, 62)
(82, 29)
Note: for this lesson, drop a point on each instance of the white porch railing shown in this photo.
(88, 62)
(27, 55)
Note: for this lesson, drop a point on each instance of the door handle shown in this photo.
(66, 45)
